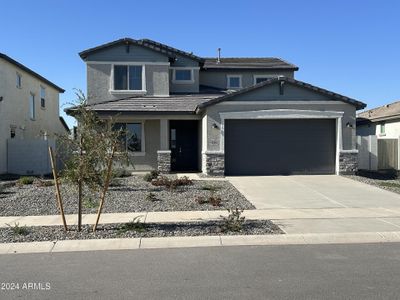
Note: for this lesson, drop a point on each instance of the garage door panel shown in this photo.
(272, 147)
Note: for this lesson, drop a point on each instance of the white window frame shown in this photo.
(42, 88)
(191, 81)
(140, 92)
(229, 76)
(142, 151)
(18, 80)
(255, 77)
(32, 106)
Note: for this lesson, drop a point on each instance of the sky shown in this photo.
(350, 47)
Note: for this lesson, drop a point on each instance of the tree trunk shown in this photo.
(80, 188)
(105, 188)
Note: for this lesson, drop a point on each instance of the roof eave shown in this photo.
(31, 72)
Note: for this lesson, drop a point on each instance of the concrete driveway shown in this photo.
(321, 204)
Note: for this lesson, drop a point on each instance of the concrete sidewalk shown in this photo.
(295, 221)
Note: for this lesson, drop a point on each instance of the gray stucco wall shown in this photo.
(119, 53)
(213, 116)
(184, 88)
(99, 76)
(219, 78)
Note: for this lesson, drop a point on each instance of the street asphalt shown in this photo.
(365, 271)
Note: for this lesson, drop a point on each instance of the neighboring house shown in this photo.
(29, 107)
(382, 121)
(220, 116)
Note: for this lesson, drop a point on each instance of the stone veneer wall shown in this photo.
(164, 161)
(214, 163)
(348, 162)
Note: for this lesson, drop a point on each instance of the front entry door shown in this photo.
(184, 145)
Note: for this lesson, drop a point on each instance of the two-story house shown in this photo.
(220, 116)
(29, 110)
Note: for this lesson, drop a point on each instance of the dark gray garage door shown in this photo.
(280, 147)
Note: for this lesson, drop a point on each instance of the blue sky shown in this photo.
(349, 47)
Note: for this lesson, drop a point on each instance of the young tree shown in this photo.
(89, 159)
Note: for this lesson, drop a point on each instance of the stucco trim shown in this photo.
(286, 114)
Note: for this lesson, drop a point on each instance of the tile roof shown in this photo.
(248, 63)
(358, 104)
(172, 104)
(31, 72)
(384, 112)
(147, 43)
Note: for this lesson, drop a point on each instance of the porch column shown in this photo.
(164, 154)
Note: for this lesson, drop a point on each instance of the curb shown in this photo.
(199, 241)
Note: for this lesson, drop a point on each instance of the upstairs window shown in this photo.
(383, 129)
(258, 79)
(183, 76)
(128, 78)
(234, 82)
(18, 81)
(131, 138)
(42, 97)
(32, 112)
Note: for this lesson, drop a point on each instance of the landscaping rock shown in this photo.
(130, 194)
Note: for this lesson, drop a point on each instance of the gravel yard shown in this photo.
(130, 194)
(52, 233)
(380, 180)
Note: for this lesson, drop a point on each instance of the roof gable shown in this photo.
(31, 72)
(293, 90)
(159, 48)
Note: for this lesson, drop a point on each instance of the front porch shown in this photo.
(168, 144)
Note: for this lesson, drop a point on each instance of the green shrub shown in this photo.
(26, 180)
(150, 176)
(18, 230)
(234, 221)
(90, 203)
(134, 225)
(210, 187)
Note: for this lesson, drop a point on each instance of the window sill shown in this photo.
(133, 153)
(234, 88)
(133, 92)
(183, 81)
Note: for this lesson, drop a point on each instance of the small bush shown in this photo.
(213, 200)
(234, 221)
(134, 225)
(43, 183)
(210, 187)
(151, 197)
(115, 182)
(150, 176)
(171, 184)
(18, 230)
(120, 173)
(26, 180)
(90, 203)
